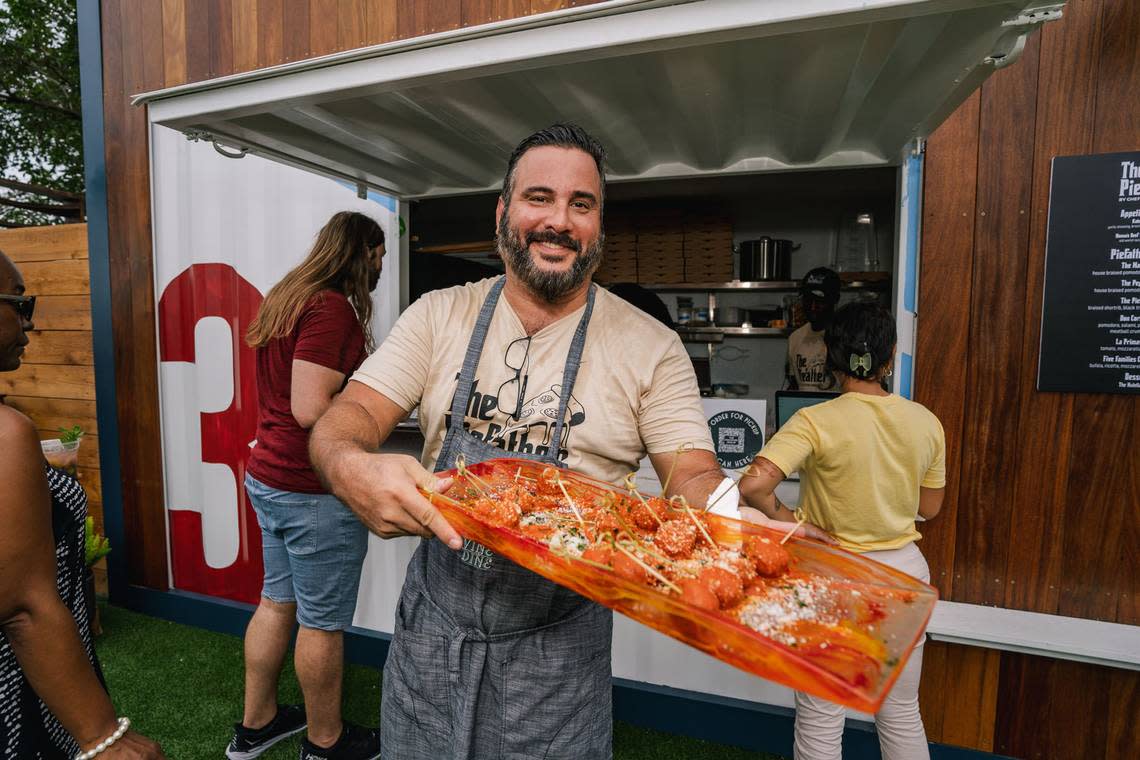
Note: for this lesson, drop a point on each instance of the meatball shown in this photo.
(727, 586)
(607, 522)
(742, 566)
(645, 517)
(627, 568)
(698, 594)
(499, 513)
(769, 558)
(548, 482)
(676, 539)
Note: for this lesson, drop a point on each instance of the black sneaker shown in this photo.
(355, 743)
(249, 743)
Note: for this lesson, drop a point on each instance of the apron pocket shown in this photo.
(557, 693)
(416, 684)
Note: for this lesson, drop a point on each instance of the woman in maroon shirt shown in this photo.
(311, 332)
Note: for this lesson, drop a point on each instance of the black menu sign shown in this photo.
(1090, 317)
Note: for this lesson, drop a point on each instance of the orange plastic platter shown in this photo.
(881, 612)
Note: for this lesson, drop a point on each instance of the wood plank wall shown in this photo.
(55, 384)
(1044, 487)
(1041, 510)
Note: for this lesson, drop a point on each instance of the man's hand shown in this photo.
(381, 490)
(807, 530)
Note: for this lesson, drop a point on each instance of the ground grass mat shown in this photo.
(182, 686)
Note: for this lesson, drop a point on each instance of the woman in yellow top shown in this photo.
(869, 463)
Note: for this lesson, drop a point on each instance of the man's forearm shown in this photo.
(345, 429)
(697, 488)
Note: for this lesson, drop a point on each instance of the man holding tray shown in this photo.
(489, 659)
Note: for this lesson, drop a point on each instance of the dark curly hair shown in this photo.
(860, 340)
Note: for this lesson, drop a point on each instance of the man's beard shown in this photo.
(550, 286)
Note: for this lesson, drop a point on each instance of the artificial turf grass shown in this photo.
(182, 687)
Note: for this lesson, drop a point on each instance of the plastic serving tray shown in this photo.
(875, 600)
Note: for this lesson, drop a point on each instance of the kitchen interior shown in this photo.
(725, 254)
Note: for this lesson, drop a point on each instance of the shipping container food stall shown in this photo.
(725, 121)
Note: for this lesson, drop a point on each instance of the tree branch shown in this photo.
(26, 187)
(70, 209)
(12, 99)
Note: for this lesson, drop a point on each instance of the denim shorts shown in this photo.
(313, 547)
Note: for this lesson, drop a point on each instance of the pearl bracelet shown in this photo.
(124, 724)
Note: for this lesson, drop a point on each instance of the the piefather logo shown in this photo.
(1129, 181)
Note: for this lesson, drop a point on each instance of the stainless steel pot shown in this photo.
(766, 259)
(729, 316)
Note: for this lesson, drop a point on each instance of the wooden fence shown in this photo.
(55, 385)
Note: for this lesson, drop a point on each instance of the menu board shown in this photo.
(1090, 316)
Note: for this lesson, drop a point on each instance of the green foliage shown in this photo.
(41, 138)
(71, 434)
(98, 546)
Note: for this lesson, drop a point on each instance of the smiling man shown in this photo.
(489, 659)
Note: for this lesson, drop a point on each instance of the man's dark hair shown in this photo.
(860, 340)
(559, 136)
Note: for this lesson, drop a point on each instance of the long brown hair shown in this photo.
(339, 259)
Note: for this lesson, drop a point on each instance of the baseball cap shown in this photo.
(822, 283)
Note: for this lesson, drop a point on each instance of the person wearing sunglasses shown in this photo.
(489, 659)
(52, 697)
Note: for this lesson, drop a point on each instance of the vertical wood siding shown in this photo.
(1043, 492)
(1044, 514)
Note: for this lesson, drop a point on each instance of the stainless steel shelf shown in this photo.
(737, 286)
(713, 334)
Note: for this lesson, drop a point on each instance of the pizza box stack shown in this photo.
(660, 248)
(619, 264)
(708, 247)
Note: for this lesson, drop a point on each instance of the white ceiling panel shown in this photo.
(710, 87)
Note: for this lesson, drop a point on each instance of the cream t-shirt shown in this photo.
(861, 460)
(635, 391)
(807, 360)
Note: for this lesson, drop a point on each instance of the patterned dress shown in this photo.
(27, 730)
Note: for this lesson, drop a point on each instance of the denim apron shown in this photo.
(489, 660)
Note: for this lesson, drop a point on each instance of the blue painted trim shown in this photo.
(905, 375)
(724, 720)
(914, 219)
(99, 263)
(386, 201)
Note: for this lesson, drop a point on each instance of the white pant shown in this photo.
(819, 723)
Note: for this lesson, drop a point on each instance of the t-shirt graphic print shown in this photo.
(531, 432)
